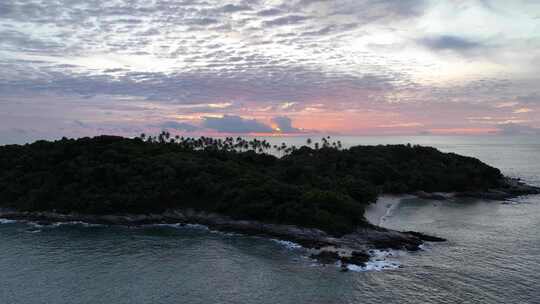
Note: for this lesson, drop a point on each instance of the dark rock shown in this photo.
(396, 241)
(43, 223)
(412, 247)
(356, 258)
(425, 237)
(508, 188)
(326, 257)
(487, 195)
(431, 196)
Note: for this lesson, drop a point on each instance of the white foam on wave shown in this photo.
(175, 225)
(425, 247)
(7, 221)
(179, 226)
(374, 266)
(197, 226)
(34, 231)
(287, 244)
(37, 225)
(61, 224)
(377, 254)
(76, 223)
(379, 260)
(34, 224)
(223, 233)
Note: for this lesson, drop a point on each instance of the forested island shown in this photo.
(231, 183)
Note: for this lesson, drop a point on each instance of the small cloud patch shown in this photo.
(522, 110)
(450, 43)
(284, 124)
(235, 124)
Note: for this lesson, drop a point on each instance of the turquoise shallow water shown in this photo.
(493, 253)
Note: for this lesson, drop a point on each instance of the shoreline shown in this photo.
(512, 187)
(351, 249)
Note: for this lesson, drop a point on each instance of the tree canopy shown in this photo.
(325, 187)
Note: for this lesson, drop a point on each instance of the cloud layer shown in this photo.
(347, 66)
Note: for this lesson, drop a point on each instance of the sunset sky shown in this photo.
(358, 67)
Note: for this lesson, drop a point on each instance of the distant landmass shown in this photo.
(315, 194)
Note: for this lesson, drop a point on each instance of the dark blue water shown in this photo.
(493, 253)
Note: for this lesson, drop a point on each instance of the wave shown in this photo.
(7, 221)
(284, 243)
(374, 266)
(390, 207)
(192, 226)
(425, 247)
(76, 223)
(177, 226)
(50, 225)
(34, 231)
(380, 260)
(287, 244)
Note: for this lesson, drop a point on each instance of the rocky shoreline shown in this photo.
(348, 249)
(511, 187)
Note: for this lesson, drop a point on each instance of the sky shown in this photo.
(277, 67)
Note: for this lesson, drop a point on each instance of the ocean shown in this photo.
(492, 254)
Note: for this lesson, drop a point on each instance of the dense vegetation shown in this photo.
(325, 186)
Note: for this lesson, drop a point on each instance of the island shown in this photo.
(314, 195)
